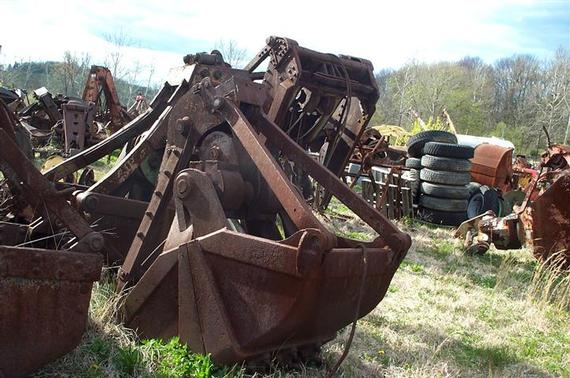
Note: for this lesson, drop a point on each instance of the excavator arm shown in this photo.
(100, 81)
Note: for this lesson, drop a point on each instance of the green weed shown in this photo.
(175, 360)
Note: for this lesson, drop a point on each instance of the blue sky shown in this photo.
(389, 33)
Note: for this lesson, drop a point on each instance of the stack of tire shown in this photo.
(415, 147)
(444, 176)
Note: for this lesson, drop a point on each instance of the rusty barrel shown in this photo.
(241, 297)
(44, 302)
(492, 165)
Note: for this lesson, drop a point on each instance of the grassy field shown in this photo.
(445, 315)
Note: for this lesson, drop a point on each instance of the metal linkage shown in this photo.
(209, 206)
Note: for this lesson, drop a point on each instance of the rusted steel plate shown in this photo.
(547, 222)
(492, 166)
(45, 299)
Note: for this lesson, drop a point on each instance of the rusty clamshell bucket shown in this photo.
(238, 297)
(44, 296)
(243, 297)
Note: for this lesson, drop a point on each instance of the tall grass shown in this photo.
(550, 284)
(445, 314)
(109, 349)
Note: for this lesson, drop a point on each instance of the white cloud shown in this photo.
(387, 32)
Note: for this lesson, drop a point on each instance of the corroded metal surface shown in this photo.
(44, 294)
(546, 222)
(541, 222)
(492, 166)
(210, 206)
(100, 81)
(251, 294)
(44, 299)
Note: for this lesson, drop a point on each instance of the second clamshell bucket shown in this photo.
(45, 300)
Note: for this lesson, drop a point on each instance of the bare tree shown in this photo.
(516, 81)
(69, 75)
(119, 41)
(67, 71)
(552, 95)
(126, 74)
(149, 80)
(232, 54)
(403, 81)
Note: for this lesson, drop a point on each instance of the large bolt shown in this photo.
(183, 187)
(218, 102)
(214, 153)
(183, 125)
(96, 241)
(91, 202)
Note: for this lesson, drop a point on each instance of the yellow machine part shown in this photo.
(54, 160)
(391, 131)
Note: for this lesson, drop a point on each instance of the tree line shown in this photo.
(516, 98)
(68, 77)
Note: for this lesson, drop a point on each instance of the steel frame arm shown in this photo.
(293, 203)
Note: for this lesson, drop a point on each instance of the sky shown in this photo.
(389, 33)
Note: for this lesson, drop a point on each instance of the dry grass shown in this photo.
(445, 314)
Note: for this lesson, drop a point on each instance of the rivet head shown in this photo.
(218, 102)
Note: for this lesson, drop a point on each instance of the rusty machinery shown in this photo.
(78, 122)
(372, 149)
(540, 222)
(44, 293)
(100, 81)
(207, 211)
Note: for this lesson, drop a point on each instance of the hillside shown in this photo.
(67, 78)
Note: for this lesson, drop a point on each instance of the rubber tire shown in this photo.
(445, 191)
(475, 205)
(485, 199)
(413, 163)
(448, 150)
(415, 176)
(473, 188)
(417, 142)
(442, 217)
(446, 178)
(445, 164)
(443, 204)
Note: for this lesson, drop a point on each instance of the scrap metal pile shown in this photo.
(70, 124)
(207, 215)
(379, 168)
(538, 215)
(491, 197)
